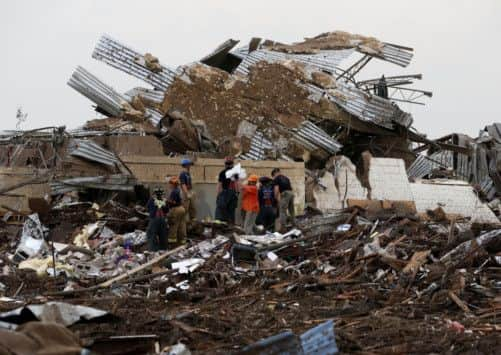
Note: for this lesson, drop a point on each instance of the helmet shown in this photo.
(174, 180)
(253, 178)
(186, 161)
(158, 191)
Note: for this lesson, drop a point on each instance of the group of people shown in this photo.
(266, 201)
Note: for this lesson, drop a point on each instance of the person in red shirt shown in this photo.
(250, 204)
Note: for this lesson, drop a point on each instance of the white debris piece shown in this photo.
(187, 265)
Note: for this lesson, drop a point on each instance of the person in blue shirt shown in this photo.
(157, 230)
(267, 204)
(177, 213)
(187, 192)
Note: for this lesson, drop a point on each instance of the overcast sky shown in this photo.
(456, 42)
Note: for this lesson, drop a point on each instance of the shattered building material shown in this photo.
(110, 182)
(326, 60)
(341, 40)
(90, 150)
(132, 62)
(366, 253)
(456, 198)
(109, 100)
(152, 96)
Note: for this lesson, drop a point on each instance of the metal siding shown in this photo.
(125, 59)
(90, 150)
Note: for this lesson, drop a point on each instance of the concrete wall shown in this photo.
(388, 180)
(153, 170)
(18, 199)
(455, 198)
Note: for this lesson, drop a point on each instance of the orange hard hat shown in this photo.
(174, 180)
(253, 178)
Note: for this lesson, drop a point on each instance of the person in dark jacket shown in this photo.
(267, 204)
(157, 226)
(227, 194)
(285, 198)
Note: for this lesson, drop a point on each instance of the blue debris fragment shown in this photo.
(320, 340)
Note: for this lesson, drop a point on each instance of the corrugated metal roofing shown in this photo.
(116, 182)
(396, 54)
(259, 144)
(325, 60)
(424, 165)
(356, 101)
(104, 95)
(316, 138)
(363, 105)
(155, 96)
(90, 150)
(97, 91)
(128, 60)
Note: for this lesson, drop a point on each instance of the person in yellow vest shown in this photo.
(177, 213)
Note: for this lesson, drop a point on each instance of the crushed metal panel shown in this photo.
(128, 60)
(116, 182)
(90, 150)
(97, 91)
(398, 55)
(424, 165)
(320, 340)
(325, 60)
(105, 96)
(283, 343)
(363, 105)
(154, 96)
(316, 138)
(258, 147)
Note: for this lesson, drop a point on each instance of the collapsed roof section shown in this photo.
(340, 40)
(313, 67)
(143, 66)
(109, 100)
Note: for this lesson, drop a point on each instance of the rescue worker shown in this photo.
(250, 204)
(177, 214)
(285, 199)
(227, 194)
(267, 204)
(157, 226)
(187, 192)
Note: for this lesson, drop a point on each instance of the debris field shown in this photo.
(396, 250)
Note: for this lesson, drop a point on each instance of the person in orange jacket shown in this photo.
(250, 204)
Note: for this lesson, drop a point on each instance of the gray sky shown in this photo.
(456, 46)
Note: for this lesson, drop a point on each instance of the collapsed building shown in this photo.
(386, 212)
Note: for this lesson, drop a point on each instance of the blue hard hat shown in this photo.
(186, 161)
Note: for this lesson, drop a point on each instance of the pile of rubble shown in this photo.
(395, 251)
